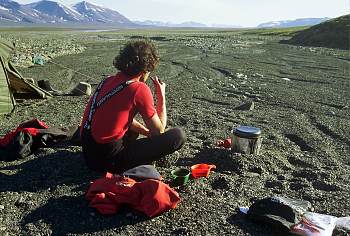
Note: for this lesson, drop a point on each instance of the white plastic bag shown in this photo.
(314, 224)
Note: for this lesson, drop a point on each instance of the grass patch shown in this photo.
(275, 32)
(332, 34)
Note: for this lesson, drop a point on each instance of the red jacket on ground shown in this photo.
(30, 127)
(151, 197)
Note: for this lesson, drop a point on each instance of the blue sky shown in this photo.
(230, 12)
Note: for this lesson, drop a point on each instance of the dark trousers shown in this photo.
(129, 152)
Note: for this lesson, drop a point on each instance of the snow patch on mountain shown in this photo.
(3, 8)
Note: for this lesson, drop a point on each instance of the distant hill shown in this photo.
(11, 11)
(225, 26)
(53, 13)
(169, 24)
(87, 14)
(55, 10)
(334, 33)
(95, 13)
(83, 13)
(293, 23)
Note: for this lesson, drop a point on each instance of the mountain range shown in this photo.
(51, 12)
(293, 23)
(89, 14)
(170, 24)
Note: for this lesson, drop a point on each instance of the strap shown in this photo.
(92, 105)
(96, 104)
(113, 92)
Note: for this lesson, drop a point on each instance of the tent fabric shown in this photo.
(22, 88)
(7, 101)
(12, 83)
(6, 48)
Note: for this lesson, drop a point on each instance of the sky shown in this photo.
(246, 13)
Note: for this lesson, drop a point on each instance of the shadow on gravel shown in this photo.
(71, 215)
(222, 158)
(46, 172)
(251, 228)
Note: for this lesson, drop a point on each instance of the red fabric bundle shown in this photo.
(151, 197)
(31, 127)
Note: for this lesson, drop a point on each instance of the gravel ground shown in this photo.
(302, 101)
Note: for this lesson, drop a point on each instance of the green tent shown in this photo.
(12, 83)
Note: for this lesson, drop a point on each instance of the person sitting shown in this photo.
(109, 130)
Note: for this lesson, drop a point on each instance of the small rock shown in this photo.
(281, 177)
(273, 184)
(246, 106)
(183, 120)
(2, 207)
(251, 174)
(286, 79)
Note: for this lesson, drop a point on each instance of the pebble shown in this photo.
(2, 207)
(246, 106)
(286, 79)
(251, 174)
(281, 177)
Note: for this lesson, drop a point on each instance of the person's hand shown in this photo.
(159, 87)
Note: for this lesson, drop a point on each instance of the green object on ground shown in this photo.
(180, 176)
(39, 60)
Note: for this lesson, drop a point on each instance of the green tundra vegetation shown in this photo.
(334, 33)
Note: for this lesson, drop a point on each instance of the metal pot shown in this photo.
(246, 139)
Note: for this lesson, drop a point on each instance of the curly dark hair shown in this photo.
(136, 57)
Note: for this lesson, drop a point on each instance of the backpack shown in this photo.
(279, 212)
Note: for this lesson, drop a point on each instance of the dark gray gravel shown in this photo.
(305, 124)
